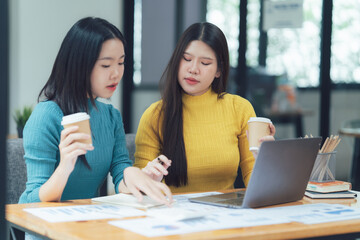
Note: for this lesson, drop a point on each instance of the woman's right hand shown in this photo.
(71, 149)
(157, 168)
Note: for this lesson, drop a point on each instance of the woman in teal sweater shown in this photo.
(89, 65)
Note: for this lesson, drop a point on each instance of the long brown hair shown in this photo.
(171, 111)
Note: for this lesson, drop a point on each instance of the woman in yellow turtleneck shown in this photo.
(198, 130)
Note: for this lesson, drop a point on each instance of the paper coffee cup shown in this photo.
(80, 119)
(258, 128)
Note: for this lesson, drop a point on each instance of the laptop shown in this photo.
(280, 175)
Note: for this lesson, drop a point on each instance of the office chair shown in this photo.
(16, 170)
(130, 145)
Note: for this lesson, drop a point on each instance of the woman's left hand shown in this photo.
(266, 138)
(137, 182)
(271, 136)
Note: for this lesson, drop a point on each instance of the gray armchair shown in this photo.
(16, 170)
(130, 145)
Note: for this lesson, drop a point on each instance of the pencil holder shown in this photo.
(324, 168)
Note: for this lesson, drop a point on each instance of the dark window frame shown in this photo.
(4, 108)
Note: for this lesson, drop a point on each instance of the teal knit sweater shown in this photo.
(41, 145)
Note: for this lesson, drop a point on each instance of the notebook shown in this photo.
(280, 174)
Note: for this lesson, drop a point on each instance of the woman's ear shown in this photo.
(217, 74)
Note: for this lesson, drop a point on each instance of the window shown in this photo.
(253, 19)
(137, 42)
(296, 52)
(225, 15)
(345, 45)
(293, 52)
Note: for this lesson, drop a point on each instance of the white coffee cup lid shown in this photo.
(259, 119)
(73, 118)
(254, 149)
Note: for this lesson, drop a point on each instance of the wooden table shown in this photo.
(100, 229)
(355, 169)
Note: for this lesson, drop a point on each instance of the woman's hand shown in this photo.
(137, 182)
(157, 168)
(71, 149)
(266, 138)
(271, 136)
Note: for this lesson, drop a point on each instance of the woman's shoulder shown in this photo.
(47, 110)
(44, 120)
(48, 105)
(241, 107)
(236, 100)
(151, 116)
(153, 109)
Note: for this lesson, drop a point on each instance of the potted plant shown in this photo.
(20, 117)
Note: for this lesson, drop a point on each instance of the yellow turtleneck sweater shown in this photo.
(214, 136)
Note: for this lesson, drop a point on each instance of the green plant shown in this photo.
(21, 116)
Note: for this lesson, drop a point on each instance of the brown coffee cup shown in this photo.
(81, 120)
(258, 128)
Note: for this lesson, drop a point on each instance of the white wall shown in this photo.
(37, 28)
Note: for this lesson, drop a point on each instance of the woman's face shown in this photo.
(198, 68)
(108, 69)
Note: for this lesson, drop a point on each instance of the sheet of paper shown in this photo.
(182, 204)
(313, 213)
(283, 14)
(83, 212)
(154, 227)
(127, 200)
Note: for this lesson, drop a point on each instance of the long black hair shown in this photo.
(69, 83)
(172, 126)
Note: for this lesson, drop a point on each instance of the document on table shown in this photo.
(224, 218)
(314, 213)
(182, 201)
(183, 209)
(214, 218)
(128, 200)
(83, 212)
(90, 212)
(236, 218)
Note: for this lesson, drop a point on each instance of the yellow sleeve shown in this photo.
(247, 159)
(147, 141)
